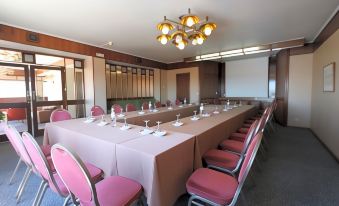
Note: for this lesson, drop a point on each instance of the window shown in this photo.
(128, 82)
(10, 56)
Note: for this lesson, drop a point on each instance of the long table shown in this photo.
(161, 165)
(163, 114)
(151, 161)
(210, 131)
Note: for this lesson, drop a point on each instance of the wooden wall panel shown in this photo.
(209, 79)
(14, 34)
(283, 58)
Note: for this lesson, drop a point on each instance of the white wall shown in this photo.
(99, 77)
(194, 84)
(89, 88)
(163, 85)
(325, 110)
(157, 84)
(247, 77)
(300, 90)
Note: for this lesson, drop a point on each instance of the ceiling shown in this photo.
(131, 25)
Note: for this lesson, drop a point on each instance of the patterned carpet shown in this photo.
(299, 171)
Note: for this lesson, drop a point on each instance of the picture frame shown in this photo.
(329, 77)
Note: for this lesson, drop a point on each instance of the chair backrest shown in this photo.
(249, 136)
(158, 104)
(130, 107)
(250, 155)
(74, 174)
(145, 105)
(60, 115)
(16, 114)
(117, 108)
(10, 138)
(97, 110)
(40, 162)
(14, 135)
(247, 163)
(262, 121)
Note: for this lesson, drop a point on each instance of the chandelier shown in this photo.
(188, 28)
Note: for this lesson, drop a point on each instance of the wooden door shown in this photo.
(183, 87)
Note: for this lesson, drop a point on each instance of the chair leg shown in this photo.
(41, 195)
(67, 200)
(24, 185)
(22, 181)
(15, 171)
(42, 184)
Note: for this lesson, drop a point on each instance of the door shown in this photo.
(48, 93)
(183, 87)
(15, 101)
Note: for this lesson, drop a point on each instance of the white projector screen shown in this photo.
(247, 78)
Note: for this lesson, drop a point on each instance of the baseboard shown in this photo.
(324, 145)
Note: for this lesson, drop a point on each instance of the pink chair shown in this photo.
(45, 169)
(117, 108)
(60, 115)
(216, 188)
(158, 104)
(12, 134)
(145, 105)
(97, 111)
(230, 157)
(114, 190)
(130, 107)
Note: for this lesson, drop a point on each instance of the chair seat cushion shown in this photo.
(238, 136)
(116, 191)
(95, 172)
(46, 149)
(212, 185)
(222, 159)
(232, 145)
(243, 130)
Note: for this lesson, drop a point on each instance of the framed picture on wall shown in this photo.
(329, 77)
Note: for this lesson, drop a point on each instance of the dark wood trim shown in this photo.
(180, 65)
(307, 49)
(132, 98)
(18, 35)
(328, 30)
(75, 102)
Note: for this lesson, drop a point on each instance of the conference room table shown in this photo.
(163, 114)
(150, 160)
(210, 131)
(161, 165)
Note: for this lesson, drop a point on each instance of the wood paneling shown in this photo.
(183, 86)
(283, 58)
(180, 65)
(14, 34)
(209, 79)
(308, 48)
(209, 76)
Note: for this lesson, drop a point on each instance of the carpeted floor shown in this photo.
(299, 171)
